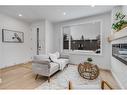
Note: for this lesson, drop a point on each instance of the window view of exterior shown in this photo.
(82, 44)
(66, 37)
(82, 37)
(66, 41)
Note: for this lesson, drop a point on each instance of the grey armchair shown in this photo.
(41, 65)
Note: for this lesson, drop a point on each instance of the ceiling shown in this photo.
(52, 13)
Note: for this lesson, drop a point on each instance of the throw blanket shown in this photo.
(62, 63)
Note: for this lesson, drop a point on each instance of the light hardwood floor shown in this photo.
(22, 77)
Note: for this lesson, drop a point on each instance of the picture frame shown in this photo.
(11, 36)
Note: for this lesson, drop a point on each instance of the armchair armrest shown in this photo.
(40, 57)
(42, 63)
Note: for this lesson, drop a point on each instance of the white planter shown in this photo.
(117, 35)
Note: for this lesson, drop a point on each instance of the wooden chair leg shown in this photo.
(103, 83)
(49, 79)
(70, 85)
(36, 77)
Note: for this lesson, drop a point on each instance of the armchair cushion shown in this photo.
(62, 62)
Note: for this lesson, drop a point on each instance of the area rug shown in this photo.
(60, 80)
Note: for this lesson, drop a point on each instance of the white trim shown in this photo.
(68, 25)
(61, 39)
(119, 83)
(81, 52)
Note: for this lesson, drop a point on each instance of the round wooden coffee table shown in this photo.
(88, 71)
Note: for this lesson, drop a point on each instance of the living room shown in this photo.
(75, 34)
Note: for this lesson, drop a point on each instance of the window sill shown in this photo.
(79, 52)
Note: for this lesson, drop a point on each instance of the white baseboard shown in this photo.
(119, 83)
(29, 61)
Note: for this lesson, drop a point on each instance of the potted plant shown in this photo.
(89, 60)
(120, 22)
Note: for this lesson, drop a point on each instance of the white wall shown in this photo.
(46, 36)
(103, 60)
(41, 25)
(118, 68)
(14, 53)
(49, 37)
(124, 9)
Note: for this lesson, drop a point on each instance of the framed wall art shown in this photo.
(11, 36)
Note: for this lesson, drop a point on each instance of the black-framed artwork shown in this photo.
(11, 36)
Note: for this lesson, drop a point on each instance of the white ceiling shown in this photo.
(52, 13)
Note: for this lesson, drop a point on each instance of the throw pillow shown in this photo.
(57, 54)
(53, 57)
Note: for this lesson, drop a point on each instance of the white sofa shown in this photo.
(47, 65)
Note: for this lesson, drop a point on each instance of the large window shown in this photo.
(83, 37)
